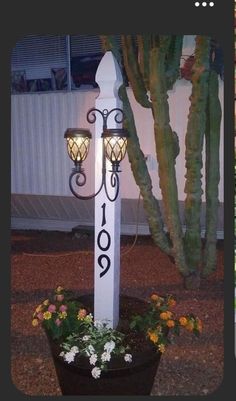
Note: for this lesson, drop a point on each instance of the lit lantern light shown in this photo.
(78, 141)
(115, 144)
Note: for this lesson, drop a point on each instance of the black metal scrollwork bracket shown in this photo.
(77, 178)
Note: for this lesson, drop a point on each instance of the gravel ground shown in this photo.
(43, 260)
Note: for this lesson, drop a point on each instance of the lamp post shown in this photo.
(114, 149)
(110, 149)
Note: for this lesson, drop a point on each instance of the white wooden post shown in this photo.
(107, 213)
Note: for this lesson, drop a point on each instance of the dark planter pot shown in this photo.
(135, 378)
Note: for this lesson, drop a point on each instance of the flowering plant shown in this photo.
(160, 324)
(98, 344)
(80, 336)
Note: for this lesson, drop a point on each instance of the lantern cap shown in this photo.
(77, 132)
(118, 132)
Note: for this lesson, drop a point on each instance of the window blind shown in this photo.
(38, 54)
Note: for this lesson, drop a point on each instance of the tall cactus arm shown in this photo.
(212, 172)
(193, 154)
(166, 151)
(143, 179)
(144, 43)
(133, 71)
(109, 42)
(173, 60)
(138, 163)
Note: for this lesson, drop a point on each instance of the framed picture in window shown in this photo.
(18, 81)
(59, 78)
(39, 85)
(84, 68)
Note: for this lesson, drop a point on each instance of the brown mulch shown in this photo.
(42, 260)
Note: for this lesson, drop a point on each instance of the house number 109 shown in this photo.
(104, 242)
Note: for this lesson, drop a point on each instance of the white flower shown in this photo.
(128, 358)
(106, 356)
(109, 346)
(69, 357)
(98, 324)
(85, 338)
(62, 353)
(74, 349)
(91, 349)
(96, 372)
(93, 359)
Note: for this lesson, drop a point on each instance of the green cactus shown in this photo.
(138, 163)
(193, 153)
(152, 65)
(144, 43)
(166, 151)
(133, 71)
(173, 59)
(212, 173)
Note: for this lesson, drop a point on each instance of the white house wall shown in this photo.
(40, 164)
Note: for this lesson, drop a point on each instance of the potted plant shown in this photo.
(91, 358)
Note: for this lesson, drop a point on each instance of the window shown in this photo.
(39, 63)
(55, 63)
(85, 55)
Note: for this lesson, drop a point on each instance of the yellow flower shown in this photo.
(46, 302)
(47, 315)
(59, 289)
(170, 323)
(183, 321)
(162, 348)
(164, 316)
(35, 322)
(153, 336)
(62, 315)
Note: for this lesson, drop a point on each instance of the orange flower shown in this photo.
(171, 302)
(81, 314)
(199, 324)
(170, 323)
(154, 297)
(189, 326)
(39, 308)
(183, 321)
(169, 314)
(153, 337)
(164, 316)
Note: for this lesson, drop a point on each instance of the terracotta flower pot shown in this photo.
(135, 378)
